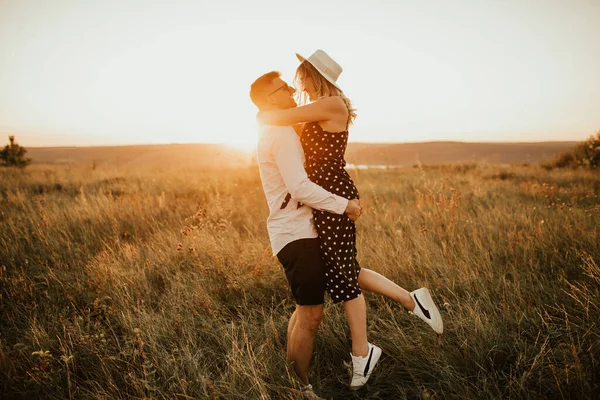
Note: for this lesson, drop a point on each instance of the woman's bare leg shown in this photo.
(371, 281)
(356, 313)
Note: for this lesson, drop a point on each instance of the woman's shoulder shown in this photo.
(333, 102)
(333, 99)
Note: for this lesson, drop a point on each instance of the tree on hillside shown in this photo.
(13, 155)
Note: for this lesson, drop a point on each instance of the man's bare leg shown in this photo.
(302, 329)
(291, 326)
(371, 281)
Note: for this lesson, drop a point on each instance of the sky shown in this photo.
(86, 72)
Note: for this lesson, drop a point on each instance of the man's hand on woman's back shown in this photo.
(353, 209)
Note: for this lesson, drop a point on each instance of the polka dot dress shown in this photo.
(324, 152)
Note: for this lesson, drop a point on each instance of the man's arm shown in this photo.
(288, 158)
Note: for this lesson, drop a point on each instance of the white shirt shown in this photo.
(281, 165)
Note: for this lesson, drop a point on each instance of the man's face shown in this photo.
(280, 94)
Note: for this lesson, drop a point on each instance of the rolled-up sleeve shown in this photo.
(288, 157)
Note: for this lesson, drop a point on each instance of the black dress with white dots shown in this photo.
(324, 153)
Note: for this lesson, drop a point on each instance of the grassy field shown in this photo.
(159, 283)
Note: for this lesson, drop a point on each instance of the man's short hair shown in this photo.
(257, 89)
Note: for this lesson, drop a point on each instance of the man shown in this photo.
(290, 196)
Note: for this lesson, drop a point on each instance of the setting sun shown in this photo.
(247, 147)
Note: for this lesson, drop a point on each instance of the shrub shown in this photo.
(13, 155)
(583, 155)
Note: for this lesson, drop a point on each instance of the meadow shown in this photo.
(159, 283)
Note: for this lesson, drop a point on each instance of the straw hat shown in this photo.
(325, 65)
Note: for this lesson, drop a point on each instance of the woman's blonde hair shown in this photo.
(323, 87)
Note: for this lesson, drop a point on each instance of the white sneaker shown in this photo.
(426, 309)
(363, 366)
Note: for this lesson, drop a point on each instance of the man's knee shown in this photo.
(309, 317)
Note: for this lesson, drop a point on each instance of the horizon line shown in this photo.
(233, 145)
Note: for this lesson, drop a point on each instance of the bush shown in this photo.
(583, 155)
(13, 155)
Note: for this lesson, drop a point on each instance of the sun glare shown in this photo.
(246, 147)
(190, 76)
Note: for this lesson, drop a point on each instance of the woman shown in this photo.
(324, 138)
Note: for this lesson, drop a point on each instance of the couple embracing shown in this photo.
(313, 206)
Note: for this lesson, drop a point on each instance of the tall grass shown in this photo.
(154, 283)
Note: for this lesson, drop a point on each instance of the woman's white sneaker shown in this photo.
(363, 366)
(426, 309)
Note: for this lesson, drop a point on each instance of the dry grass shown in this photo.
(130, 284)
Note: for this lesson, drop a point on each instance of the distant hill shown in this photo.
(404, 154)
(407, 154)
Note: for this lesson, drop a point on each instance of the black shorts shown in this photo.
(305, 271)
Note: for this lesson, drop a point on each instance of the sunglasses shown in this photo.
(284, 86)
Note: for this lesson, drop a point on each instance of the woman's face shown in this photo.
(309, 88)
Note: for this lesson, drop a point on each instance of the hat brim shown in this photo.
(302, 59)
